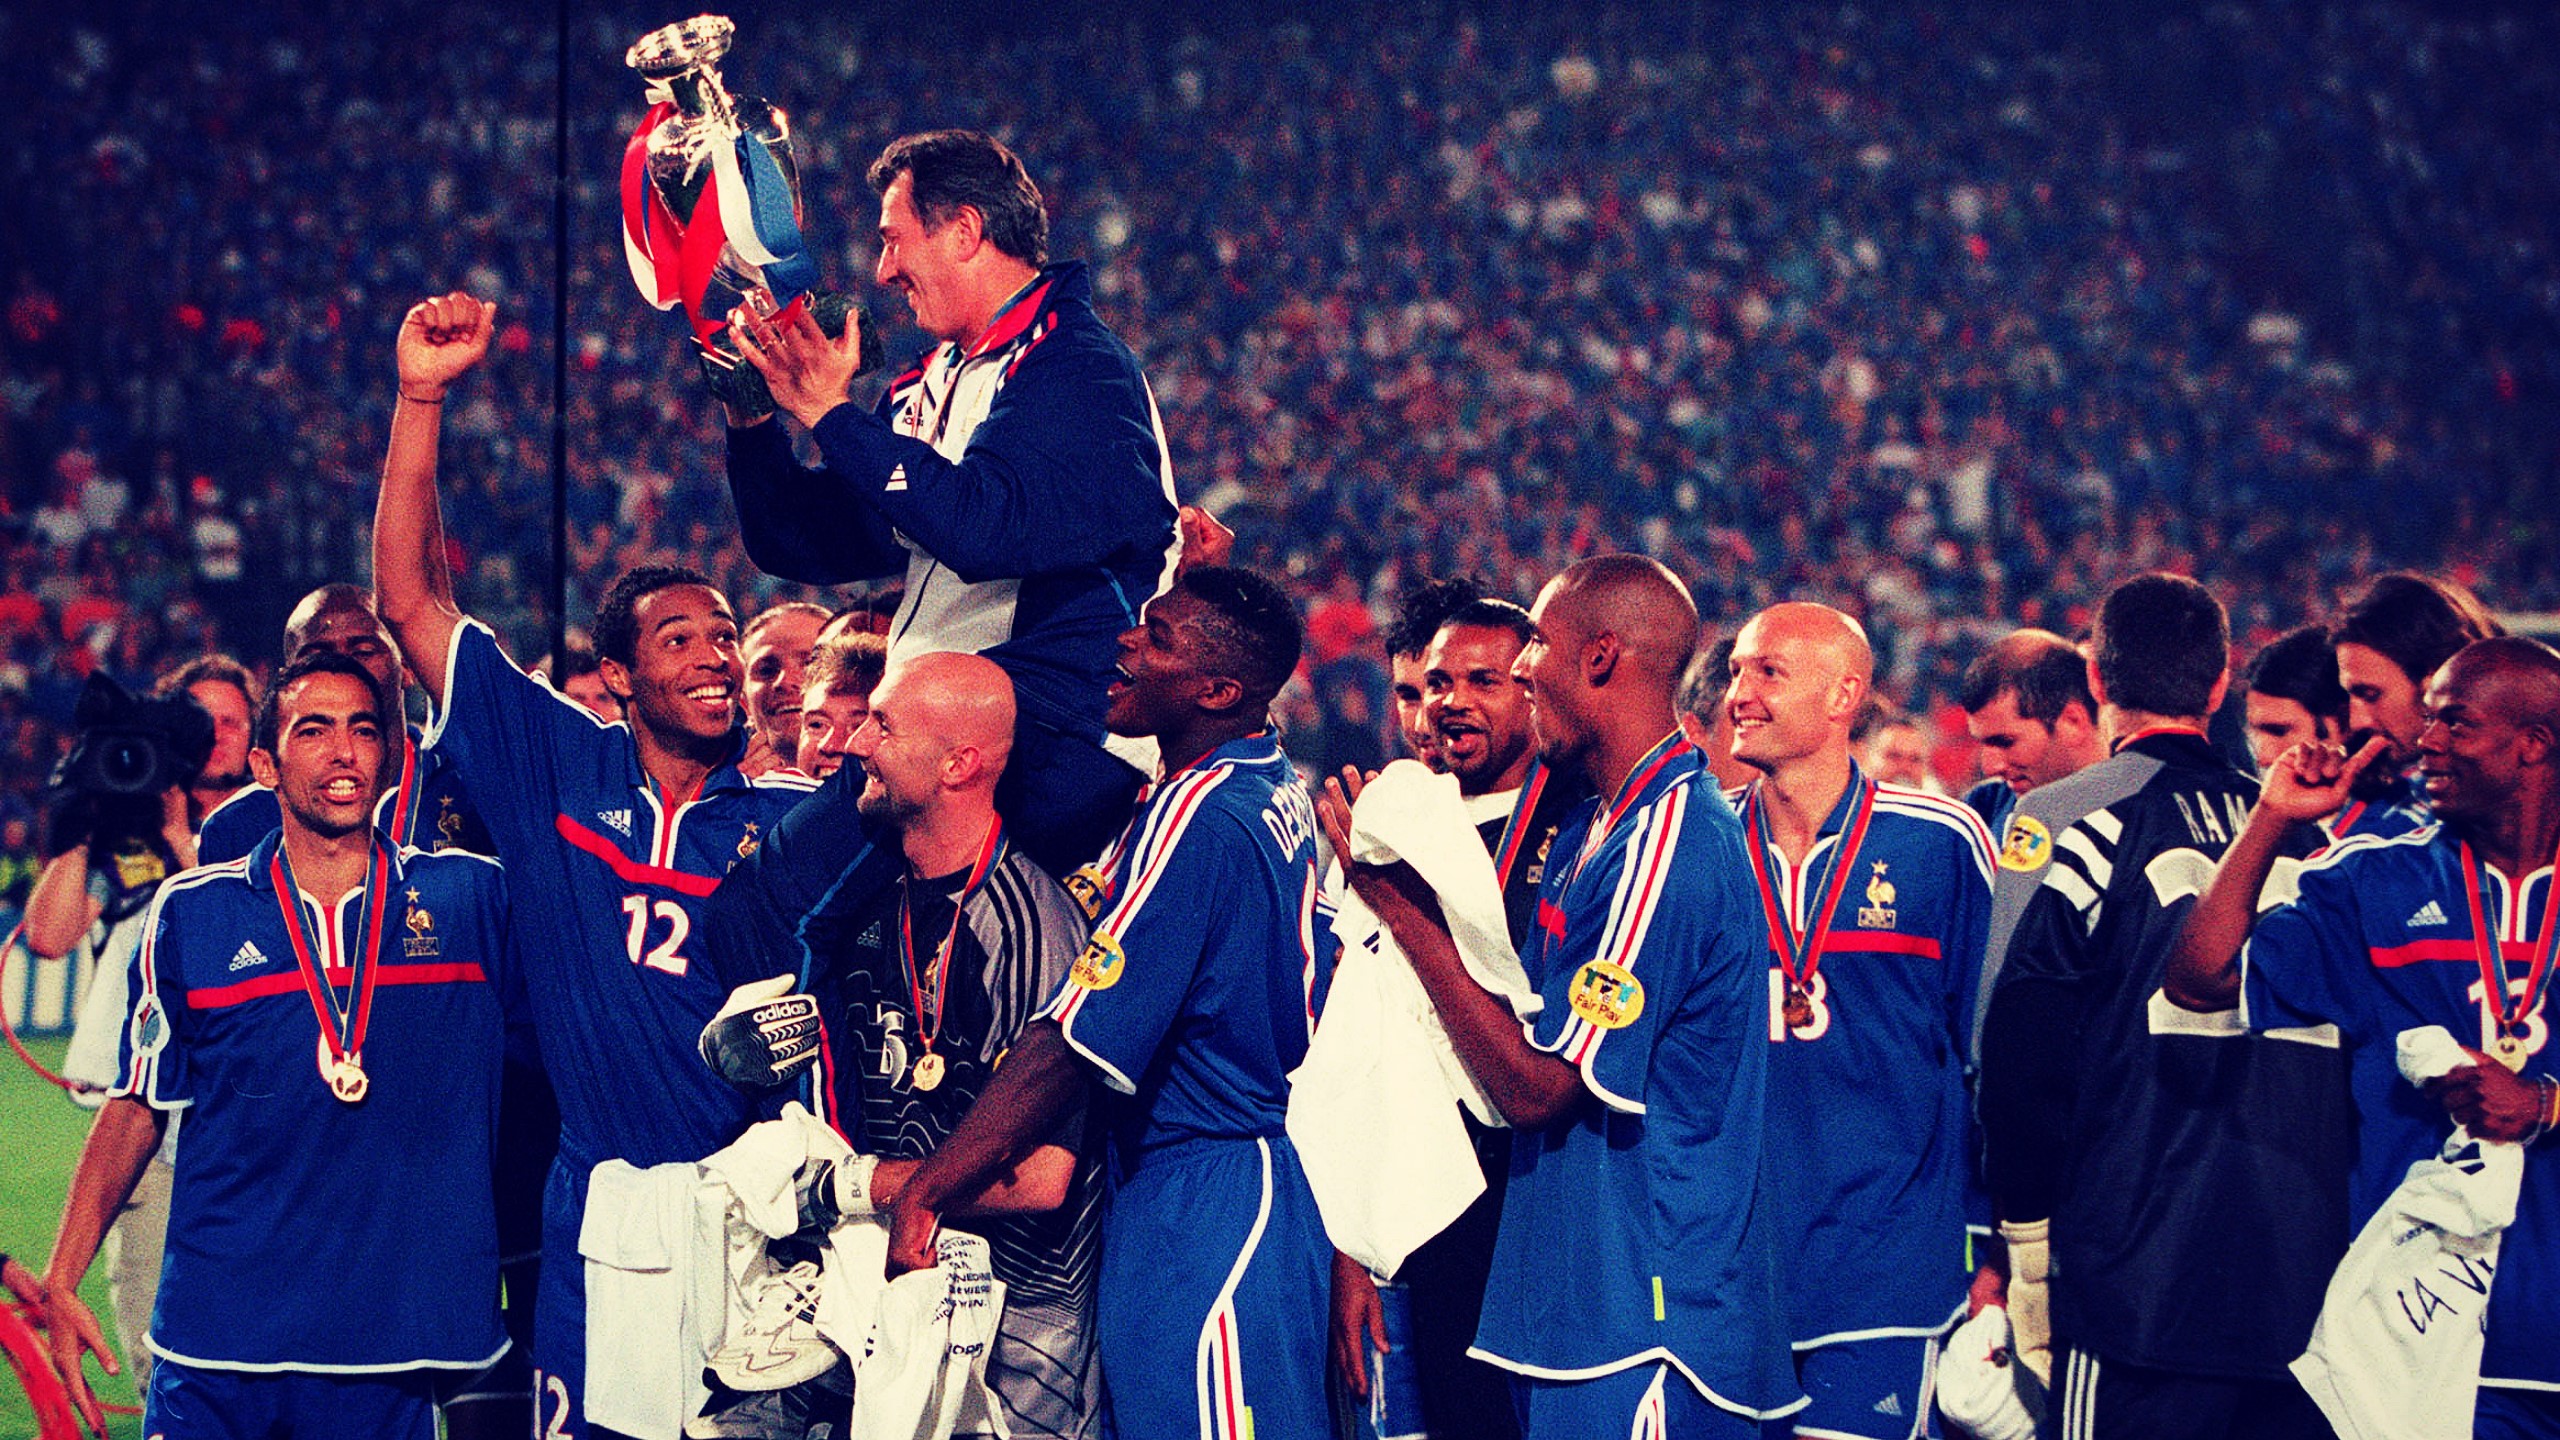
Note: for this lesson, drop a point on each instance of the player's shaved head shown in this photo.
(329, 599)
(962, 700)
(2489, 744)
(341, 619)
(1612, 636)
(1800, 679)
(1635, 601)
(2512, 677)
(1822, 635)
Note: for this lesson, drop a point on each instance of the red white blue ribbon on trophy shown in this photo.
(747, 203)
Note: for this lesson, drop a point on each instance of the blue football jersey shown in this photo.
(1868, 1113)
(1640, 1228)
(2382, 818)
(425, 809)
(1200, 985)
(2377, 940)
(610, 880)
(306, 1232)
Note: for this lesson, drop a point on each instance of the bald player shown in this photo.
(2384, 934)
(1634, 1277)
(921, 987)
(1192, 1002)
(1875, 900)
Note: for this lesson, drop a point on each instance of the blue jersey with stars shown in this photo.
(294, 1211)
(429, 812)
(1200, 985)
(1867, 1104)
(1637, 1226)
(610, 880)
(2378, 940)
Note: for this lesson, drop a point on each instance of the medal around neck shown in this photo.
(711, 207)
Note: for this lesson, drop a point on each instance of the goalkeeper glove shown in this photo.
(2030, 1307)
(763, 1034)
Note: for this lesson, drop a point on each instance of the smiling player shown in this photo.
(617, 834)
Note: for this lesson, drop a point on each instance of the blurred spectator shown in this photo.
(581, 681)
(1948, 317)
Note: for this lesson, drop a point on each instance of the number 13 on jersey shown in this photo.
(642, 910)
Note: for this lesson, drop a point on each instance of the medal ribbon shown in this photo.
(989, 852)
(650, 236)
(1646, 768)
(2493, 965)
(1515, 831)
(342, 1033)
(746, 203)
(1799, 952)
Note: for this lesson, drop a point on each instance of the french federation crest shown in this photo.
(1877, 913)
(422, 939)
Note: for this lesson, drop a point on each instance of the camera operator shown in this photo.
(121, 818)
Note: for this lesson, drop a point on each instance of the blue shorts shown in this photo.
(1649, 1401)
(560, 1309)
(199, 1402)
(2505, 1414)
(1865, 1390)
(1214, 1295)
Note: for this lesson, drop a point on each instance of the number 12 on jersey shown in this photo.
(662, 956)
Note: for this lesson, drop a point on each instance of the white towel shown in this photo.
(652, 1242)
(2396, 1352)
(667, 1251)
(925, 1374)
(1373, 1109)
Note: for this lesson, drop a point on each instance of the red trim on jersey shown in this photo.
(1016, 318)
(224, 996)
(1882, 942)
(629, 869)
(2392, 957)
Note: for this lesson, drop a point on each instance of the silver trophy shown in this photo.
(711, 205)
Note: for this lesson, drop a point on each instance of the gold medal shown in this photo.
(2510, 1052)
(344, 1074)
(928, 1072)
(1799, 1007)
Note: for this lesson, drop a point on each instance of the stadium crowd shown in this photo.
(1900, 309)
(1897, 354)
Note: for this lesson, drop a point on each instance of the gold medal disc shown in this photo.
(1799, 1008)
